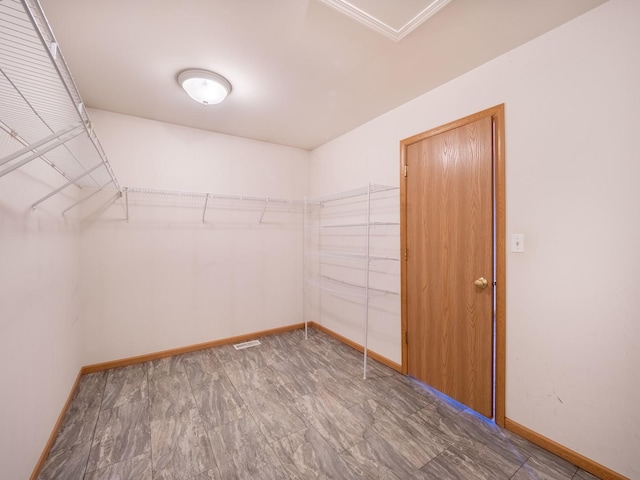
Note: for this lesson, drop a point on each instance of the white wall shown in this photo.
(573, 329)
(40, 336)
(164, 279)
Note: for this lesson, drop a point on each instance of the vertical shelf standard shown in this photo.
(349, 223)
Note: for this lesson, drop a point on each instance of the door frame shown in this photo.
(497, 115)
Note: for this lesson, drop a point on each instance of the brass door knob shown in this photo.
(481, 282)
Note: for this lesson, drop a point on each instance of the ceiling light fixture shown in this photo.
(205, 87)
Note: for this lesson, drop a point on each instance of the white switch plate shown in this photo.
(517, 242)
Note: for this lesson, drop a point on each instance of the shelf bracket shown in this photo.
(126, 202)
(266, 204)
(87, 197)
(39, 153)
(35, 145)
(69, 183)
(204, 211)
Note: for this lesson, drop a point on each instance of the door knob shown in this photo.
(481, 282)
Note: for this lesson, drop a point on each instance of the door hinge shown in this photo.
(406, 255)
(405, 169)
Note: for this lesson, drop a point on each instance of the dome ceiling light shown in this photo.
(205, 87)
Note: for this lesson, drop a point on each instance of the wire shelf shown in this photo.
(43, 116)
(342, 287)
(353, 225)
(208, 201)
(360, 257)
(350, 194)
(323, 220)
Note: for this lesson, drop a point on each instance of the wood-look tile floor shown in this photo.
(287, 409)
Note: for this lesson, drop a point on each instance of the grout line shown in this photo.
(438, 455)
(520, 467)
(95, 426)
(195, 402)
(146, 367)
(482, 432)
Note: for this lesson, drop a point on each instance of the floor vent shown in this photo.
(252, 343)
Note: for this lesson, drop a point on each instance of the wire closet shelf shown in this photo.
(207, 201)
(338, 286)
(43, 116)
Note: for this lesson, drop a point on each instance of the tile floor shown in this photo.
(287, 409)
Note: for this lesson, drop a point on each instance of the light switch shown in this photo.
(517, 242)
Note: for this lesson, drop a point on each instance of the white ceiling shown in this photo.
(302, 72)
(393, 19)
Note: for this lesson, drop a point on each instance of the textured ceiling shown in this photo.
(303, 73)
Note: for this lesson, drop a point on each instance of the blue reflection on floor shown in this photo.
(451, 401)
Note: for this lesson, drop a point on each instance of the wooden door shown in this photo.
(449, 264)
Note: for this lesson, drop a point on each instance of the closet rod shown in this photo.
(18, 138)
(39, 153)
(68, 184)
(33, 146)
(82, 200)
